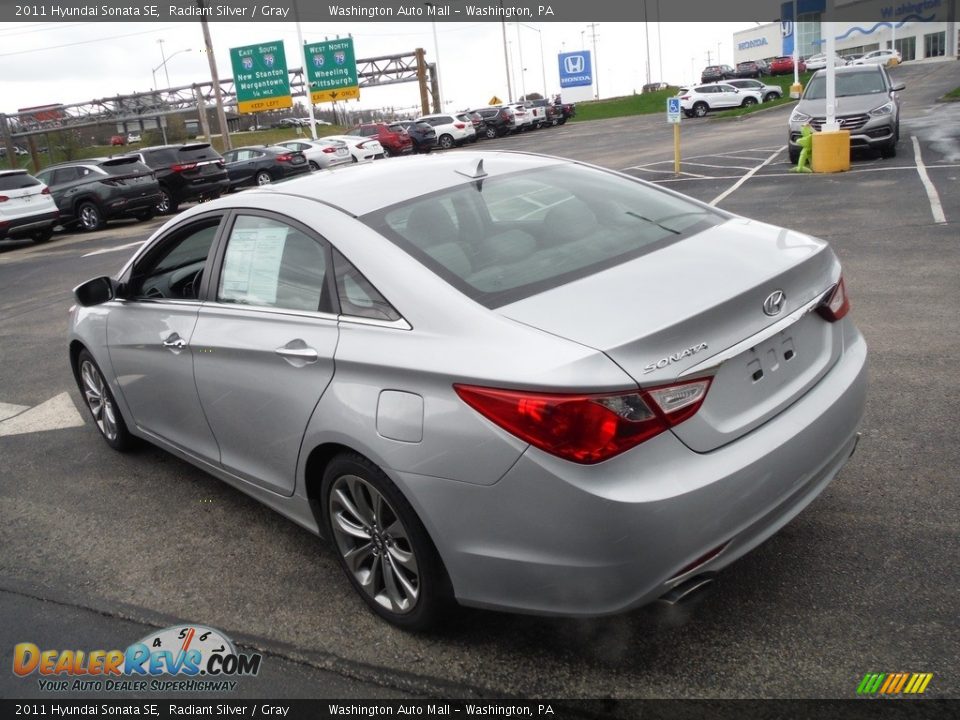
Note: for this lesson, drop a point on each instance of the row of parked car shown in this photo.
(697, 101)
(783, 65)
(142, 183)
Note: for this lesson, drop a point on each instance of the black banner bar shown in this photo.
(360, 11)
(854, 709)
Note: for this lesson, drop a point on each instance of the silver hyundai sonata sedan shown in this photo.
(500, 379)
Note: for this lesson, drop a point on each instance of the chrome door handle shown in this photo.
(305, 355)
(175, 343)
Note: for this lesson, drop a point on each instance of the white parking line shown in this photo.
(747, 175)
(669, 172)
(911, 168)
(114, 249)
(721, 167)
(935, 207)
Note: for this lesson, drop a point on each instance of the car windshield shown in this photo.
(847, 85)
(510, 237)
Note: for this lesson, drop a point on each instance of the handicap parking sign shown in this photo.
(673, 110)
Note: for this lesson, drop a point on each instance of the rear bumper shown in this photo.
(552, 537)
(17, 227)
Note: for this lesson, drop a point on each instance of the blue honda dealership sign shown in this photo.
(575, 69)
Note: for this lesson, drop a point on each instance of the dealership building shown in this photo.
(919, 30)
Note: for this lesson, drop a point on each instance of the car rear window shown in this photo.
(199, 151)
(124, 166)
(17, 181)
(510, 237)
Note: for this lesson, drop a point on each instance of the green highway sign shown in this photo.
(260, 77)
(331, 70)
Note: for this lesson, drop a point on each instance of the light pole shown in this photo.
(436, 61)
(543, 62)
(164, 65)
(523, 78)
(163, 126)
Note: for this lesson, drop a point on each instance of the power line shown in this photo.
(87, 42)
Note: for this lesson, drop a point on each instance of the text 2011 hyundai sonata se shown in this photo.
(510, 380)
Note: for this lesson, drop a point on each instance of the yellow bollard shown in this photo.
(796, 90)
(831, 151)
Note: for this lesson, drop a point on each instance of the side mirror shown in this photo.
(898, 87)
(96, 291)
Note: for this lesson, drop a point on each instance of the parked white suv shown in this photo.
(450, 130)
(27, 208)
(701, 99)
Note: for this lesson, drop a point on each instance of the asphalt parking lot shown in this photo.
(865, 580)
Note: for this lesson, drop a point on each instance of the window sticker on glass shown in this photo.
(252, 265)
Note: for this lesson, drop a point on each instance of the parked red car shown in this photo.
(784, 65)
(118, 140)
(394, 143)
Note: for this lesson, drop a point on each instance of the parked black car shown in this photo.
(185, 172)
(262, 165)
(752, 69)
(90, 192)
(497, 121)
(712, 73)
(423, 135)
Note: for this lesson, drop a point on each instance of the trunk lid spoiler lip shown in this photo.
(713, 362)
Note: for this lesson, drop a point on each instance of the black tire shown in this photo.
(262, 178)
(89, 216)
(386, 152)
(794, 154)
(889, 150)
(748, 102)
(147, 214)
(700, 109)
(42, 236)
(168, 203)
(313, 166)
(562, 121)
(490, 132)
(688, 113)
(103, 408)
(770, 96)
(445, 142)
(351, 474)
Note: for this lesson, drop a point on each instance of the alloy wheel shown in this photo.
(374, 544)
(263, 178)
(99, 400)
(89, 217)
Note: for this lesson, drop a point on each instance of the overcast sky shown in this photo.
(43, 63)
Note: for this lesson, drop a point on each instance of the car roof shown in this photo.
(849, 70)
(367, 187)
(21, 171)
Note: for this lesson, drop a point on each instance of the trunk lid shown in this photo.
(668, 313)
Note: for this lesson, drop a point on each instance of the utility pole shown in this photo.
(596, 65)
(506, 57)
(646, 30)
(709, 58)
(215, 76)
(659, 47)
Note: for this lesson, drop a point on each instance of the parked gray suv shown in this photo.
(868, 105)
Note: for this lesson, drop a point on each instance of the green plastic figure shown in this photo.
(805, 142)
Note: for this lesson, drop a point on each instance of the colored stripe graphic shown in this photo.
(894, 683)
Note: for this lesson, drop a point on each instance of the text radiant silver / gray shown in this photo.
(526, 384)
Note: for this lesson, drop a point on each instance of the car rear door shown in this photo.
(265, 344)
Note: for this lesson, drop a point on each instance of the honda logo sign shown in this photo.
(575, 69)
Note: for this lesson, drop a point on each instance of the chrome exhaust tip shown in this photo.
(688, 590)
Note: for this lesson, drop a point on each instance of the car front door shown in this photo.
(264, 345)
(726, 96)
(150, 333)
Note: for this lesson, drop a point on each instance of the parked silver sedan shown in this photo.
(518, 382)
(321, 154)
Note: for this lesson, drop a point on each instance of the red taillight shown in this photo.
(286, 157)
(592, 428)
(3, 198)
(182, 167)
(329, 149)
(837, 305)
(684, 97)
(45, 191)
(459, 126)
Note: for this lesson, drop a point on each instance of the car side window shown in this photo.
(269, 263)
(174, 269)
(358, 297)
(65, 175)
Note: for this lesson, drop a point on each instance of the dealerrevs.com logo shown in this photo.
(181, 658)
(894, 683)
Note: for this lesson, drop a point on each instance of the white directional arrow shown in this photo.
(56, 413)
(114, 249)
